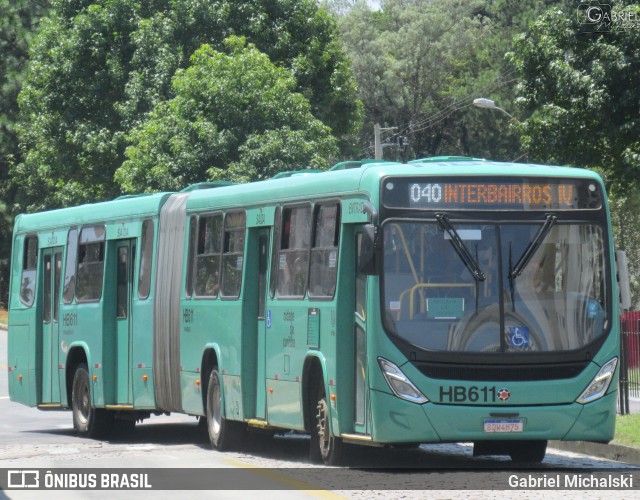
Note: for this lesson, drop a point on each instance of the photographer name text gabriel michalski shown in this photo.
(562, 481)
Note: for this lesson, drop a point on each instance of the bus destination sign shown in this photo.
(483, 194)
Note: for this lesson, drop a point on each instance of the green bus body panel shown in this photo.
(22, 365)
(262, 360)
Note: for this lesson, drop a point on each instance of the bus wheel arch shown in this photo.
(224, 434)
(209, 361)
(312, 380)
(88, 420)
(76, 356)
(324, 446)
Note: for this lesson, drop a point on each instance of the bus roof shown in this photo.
(118, 209)
(305, 184)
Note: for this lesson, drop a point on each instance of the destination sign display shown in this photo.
(492, 194)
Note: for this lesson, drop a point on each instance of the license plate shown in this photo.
(504, 425)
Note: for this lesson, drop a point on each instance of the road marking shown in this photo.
(4, 397)
(281, 478)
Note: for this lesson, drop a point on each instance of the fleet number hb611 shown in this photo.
(473, 394)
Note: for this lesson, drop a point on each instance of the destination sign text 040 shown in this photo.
(493, 195)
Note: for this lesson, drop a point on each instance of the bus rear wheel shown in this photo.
(87, 420)
(224, 434)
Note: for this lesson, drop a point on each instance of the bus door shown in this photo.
(125, 254)
(361, 423)
(52, 266)
(263, 260)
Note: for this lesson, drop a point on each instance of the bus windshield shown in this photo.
(544, 286)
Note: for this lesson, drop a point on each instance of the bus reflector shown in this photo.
(145, 378)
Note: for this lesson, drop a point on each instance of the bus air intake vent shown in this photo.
(501, 373)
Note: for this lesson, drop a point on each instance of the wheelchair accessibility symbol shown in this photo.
(518, 337)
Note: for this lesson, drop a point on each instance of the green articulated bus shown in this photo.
(449, 299)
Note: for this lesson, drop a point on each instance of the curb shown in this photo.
(615, 452)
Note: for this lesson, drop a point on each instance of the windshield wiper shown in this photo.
(461, 248)
(533, 246)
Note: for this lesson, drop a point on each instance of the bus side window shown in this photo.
(293, 259)
(146, 257)
(324, 254)
(233, 256)
(273, 279)
(29, 268)
(90, 264)
(70, 266)
(207, 275)
(191, 256)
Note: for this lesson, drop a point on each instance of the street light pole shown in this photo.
(483, 102)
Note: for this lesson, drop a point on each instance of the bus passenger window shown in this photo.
(29, 267)
(294, 251)
(207, 276)
(70, 266)
(90, 264)
(146, 256)
(193, 226)
(324, 254)
(273, 279)
(233, 257)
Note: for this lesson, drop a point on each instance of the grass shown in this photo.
(628, 430)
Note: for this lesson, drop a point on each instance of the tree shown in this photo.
(18, 24)
(581, 107)
(235, 116)
(419, 65)
(578, 95)
(100, 68)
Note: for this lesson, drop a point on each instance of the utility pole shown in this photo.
(378, 145)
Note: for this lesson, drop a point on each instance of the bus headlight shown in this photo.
(399, 383)
(600, 383)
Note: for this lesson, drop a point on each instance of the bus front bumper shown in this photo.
(397, 421)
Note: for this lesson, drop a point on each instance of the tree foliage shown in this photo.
(579, 97)
(19, 20)
(235, 116)
(419, 65)
(580, 105)
(101, 69)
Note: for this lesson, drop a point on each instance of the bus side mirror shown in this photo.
(368, 261)
(624, 286)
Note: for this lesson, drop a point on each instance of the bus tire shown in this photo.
(325, 446)
(87, 421)
(527, 452)
(224, 434)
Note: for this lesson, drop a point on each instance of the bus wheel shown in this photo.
(87, 420)
(224, 434)
(529, 452)
(327, 447)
